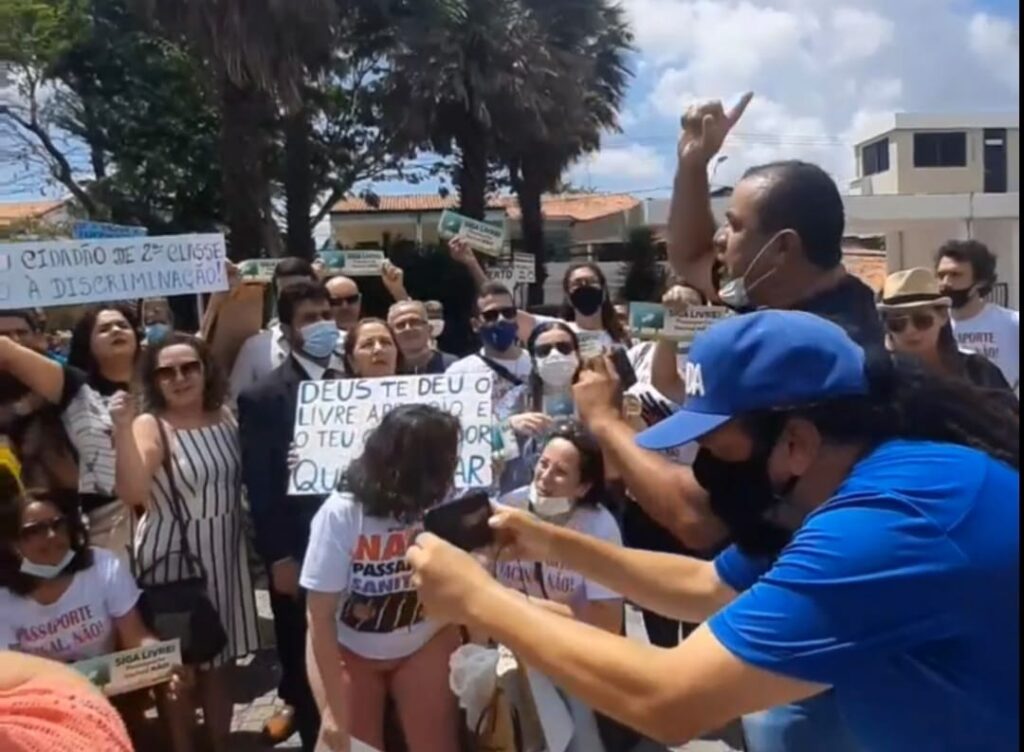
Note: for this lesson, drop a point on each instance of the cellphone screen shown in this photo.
(627, 376)
(463, 522)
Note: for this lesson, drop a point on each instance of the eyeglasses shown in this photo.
(920, 321)
(184, 371)
(542, 351)
(509, 314)
(43, 528)
(346, 300)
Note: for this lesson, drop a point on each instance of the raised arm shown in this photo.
(41, 375)
(691, 224)
(463, 254)
(139, 451)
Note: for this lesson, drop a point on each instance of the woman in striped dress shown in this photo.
(184, 394)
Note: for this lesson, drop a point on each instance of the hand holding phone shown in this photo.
(463, 522)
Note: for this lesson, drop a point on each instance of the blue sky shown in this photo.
(822, 70)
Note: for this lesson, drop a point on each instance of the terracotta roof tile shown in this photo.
(413, 203)
(870, 266)
(22, 210)
(578, 207)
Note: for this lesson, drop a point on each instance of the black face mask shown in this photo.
(960, 298)
(742, 496)
(587, 300)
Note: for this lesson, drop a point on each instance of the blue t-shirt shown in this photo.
(901, 592)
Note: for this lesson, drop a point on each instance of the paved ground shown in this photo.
(257, 696)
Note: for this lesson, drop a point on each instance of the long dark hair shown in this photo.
(609, 320)
(408, 463)
(80, 353)
(214, 383)
(909, 402)
(591, 458)
(535, 385)
(12, 504)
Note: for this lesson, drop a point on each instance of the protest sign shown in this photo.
(258, 271)
(333, 418)
(646, 320)
(520, 271)
(483, 237)
(129, 670)
(352, 263)
(591, 344)
(685, 326)
(95, 230)
(73, 272)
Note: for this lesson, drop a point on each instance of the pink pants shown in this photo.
(418, 684)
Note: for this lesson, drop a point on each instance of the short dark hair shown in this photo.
(408, 463)
(487, 290)
(293, 266)
(214, 384)
(352, 339)
(591, 457)
(290, 297)
(803, 197)
(80, 353)
(981, 259)
(12, 505)
(30, 317)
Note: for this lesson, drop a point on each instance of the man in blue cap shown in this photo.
(898, 589)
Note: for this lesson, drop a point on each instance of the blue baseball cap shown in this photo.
(760, 361)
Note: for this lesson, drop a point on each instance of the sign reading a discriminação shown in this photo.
(72, 272)
(333, 418)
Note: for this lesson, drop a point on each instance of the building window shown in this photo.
(1000, 294)
(875, 157)
(940, 149)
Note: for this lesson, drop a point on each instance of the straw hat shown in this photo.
(912, 288)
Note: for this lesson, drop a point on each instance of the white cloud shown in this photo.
(858, 34)
(633, 164)
(996, 42)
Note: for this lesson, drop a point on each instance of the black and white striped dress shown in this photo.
(207, 470)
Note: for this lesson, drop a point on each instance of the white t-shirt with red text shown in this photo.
(994, 333)
(363, 558)
(79, 624)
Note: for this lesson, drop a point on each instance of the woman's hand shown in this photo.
(530, 424)
(460, 251)
(123, 410)
(293, 458)
(521, 535)
(333, 736)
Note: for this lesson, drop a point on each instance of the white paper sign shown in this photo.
(333, 418)
(684, 327)
(521, 271)
(480, 236)
(129, 670)
(72, 272)
(353, 263)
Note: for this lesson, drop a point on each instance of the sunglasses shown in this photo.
(184, 371)
(920, 321)
(346, 300)
(493, 315)
(542, 351)
(43, 528)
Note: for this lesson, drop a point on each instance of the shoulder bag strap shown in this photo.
(176, 504)
(500, 370)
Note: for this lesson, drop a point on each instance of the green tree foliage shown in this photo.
(645, 277)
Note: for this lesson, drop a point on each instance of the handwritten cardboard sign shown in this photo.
(482, 237)
(352, 263)
(93, 230)
(129, 670)
(333, 419)
(73, 272)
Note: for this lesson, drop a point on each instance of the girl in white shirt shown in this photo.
(368, 636)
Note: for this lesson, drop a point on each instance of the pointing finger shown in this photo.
(739, 108)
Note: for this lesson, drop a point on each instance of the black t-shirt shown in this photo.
(438, 363)
(851, 305)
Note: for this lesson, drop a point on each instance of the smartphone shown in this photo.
(463, 522)
(627, 376)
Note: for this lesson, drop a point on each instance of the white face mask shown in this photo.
(436, 328)
(736, 292)
(558, 370)
(46, 571)
(548, 507)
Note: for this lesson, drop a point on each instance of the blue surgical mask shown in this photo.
(320, 338)
(736, 292)
(156, 332)
(46, 571)
(500, 336)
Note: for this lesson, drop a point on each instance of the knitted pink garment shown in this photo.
(43, 715)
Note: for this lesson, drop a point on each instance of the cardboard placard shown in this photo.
(352, 263)
(74, 272)
(130, 670)
(482, 237)
(333, 418)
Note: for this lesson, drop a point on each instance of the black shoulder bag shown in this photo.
(182, 609)
(501, 371)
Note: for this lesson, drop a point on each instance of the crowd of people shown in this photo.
(815, 507)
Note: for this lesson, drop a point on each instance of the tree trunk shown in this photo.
(471, 175)
(529, 190)
(298, 184)
(243, 145)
